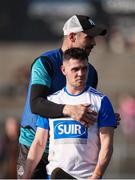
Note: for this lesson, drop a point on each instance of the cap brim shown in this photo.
(96, 31)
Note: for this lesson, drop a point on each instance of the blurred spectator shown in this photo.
(19, 85)
(21, 79)
(8, 149)
(127, 112)
(116, 41)
(1, 152)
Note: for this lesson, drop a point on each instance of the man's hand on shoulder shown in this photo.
(81, 113)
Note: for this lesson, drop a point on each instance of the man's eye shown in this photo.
(75, 69)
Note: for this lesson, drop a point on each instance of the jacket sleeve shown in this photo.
(40, 105)
(41, 76)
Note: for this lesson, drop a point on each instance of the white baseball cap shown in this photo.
(79, 23)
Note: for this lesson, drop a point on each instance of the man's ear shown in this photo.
(72, 37)
(63, 69)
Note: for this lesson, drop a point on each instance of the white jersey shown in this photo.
(73, 147)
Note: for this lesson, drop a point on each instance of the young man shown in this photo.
(83, 152)
(46, 78)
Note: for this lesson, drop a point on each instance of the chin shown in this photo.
(79, 86)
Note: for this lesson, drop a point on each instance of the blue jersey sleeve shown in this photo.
(106, 116)
(39, 74)
(42, 122)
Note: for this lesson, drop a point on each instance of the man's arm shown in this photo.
(40, 105)
(106, 138)
(36, 151)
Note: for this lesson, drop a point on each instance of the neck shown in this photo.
(74, 90)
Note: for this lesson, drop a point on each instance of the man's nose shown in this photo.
(80, 72)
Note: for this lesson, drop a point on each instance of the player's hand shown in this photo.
(81, 113)
(118, 118)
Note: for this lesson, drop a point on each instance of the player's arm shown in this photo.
(106, 124)
(38, 146)
(93, 82)
(36, 151)
(105, 153)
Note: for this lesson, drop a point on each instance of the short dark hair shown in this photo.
(75, 53)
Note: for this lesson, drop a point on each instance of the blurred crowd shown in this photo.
(127, 111)
(8, 148)
(32, 20)
(18, 86)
